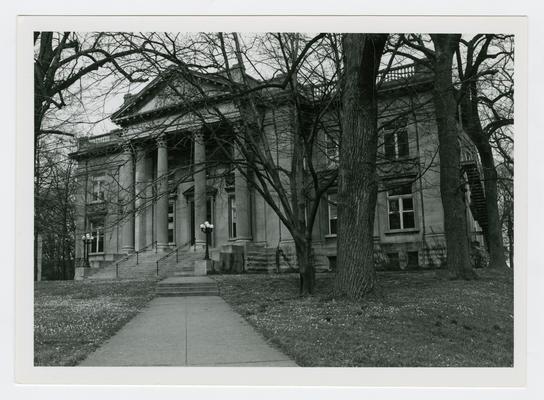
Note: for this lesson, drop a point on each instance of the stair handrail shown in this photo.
(129, 255)
(119, 262)
(176, 250)
(145, 248)
(166, 256)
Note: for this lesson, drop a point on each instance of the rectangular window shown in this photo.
(171, 221)
(333, 151)
(396, 143)
(97, 231)
(98, 193)
(413, 259)
(401, 208)
(333, 213)
(393, 260)
(232, 216)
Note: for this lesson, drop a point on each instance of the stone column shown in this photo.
(141, 203)
(162, 194)
(243, 209)
(199, 176)
(126, 192)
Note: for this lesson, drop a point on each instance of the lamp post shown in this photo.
(207, 228)
(87, 239)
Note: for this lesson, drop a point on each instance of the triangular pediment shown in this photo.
(172, 90)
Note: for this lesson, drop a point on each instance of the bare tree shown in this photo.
(55, 211)
(62, 60)
(485, 96)
(276, 78)
(451, 183)
(358, 184)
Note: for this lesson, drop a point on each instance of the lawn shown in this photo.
(72, 318)
(413, 320)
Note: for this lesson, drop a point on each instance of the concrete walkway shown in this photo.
(187, 331)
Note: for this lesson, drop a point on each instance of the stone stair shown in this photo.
(146, 267)
(182, 286)
(261, 259)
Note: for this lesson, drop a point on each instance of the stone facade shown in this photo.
(151, 183)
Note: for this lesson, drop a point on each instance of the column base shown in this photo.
(163, 247)
(243, 240)
(127, 250)
(199, 246)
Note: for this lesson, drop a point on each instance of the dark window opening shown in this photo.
(413, 259)
(393, 261)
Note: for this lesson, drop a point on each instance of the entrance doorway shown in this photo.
(210, 217)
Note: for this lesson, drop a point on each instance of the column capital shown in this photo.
(127, 147)
(237, 126)
(161, 141)
(198, 136)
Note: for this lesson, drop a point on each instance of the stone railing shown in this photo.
(398, 73)
(403, 73)
(390, 76)
(99, 140)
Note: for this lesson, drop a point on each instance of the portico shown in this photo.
(147, 183)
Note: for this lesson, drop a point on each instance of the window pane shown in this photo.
(389, 143)
(393, 205)
(333, 210)
(100, 242)
(407, 204)
(394, 220)
(408, 219)
(333, 226)
(402, 138)
(332, 150)
(232, 216)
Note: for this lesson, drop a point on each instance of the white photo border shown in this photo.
(26, 372)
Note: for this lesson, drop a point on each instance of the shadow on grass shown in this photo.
(412, 320)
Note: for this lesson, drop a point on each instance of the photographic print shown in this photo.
(273, 199)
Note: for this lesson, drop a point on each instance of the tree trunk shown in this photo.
(357, 180)
(451, 184)
(306, 266)
(510, 233)
(494, 232)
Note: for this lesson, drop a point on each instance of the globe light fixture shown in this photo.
(207, 228)
(87, 240)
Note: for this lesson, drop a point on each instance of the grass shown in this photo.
(72, 318)
(413, 320)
